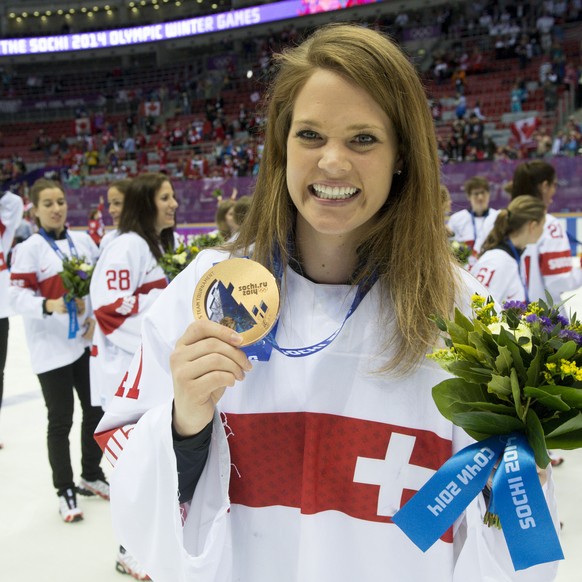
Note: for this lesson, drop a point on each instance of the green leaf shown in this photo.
(487, 350)
(458, 334)
(469, 371)
(488, 423)
(469, 352)
(536, 438)
(440, 322)
(456, 395)
(548, 400)
(463, 321)
(493, 407)
(500, 386)
(570, 422)
(504, 360)
(516, 393)
(533, 371)
(566, 352)
(505, 339)
(571, 396)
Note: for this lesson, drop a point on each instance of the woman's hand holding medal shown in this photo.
(205, 361)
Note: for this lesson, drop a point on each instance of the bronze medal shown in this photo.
(240, 294)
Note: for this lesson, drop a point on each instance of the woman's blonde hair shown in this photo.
(407, 246)
(521, 210)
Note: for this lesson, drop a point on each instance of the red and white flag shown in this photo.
(82, 126)
(523, 129)
(152, 108)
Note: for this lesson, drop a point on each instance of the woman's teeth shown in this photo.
(333, 192)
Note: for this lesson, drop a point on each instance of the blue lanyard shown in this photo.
(361, 292)
(54, 246)
(71, 304)
(517, 258)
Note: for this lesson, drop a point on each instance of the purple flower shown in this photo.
(532, 318)
(569, 334)
(520, 305)
(81, 274)
(547, 324)
(561, 319)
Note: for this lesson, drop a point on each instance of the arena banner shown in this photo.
(165, 31)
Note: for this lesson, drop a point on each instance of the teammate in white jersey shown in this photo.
(499, 267)
(549, 262)
(10, 217)
(115, 196)
(59, 355)
(472, 224)
(291, 469)
(126, 282)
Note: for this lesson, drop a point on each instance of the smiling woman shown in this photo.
(126, 282)
(292, 467)
(58, 352)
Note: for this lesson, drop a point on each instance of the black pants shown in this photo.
(57, 389)
(3, 351)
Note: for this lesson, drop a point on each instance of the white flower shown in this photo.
(180, 258)
(522, 330)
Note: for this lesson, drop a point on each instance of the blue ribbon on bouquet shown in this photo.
(73, 320)
(518, 500)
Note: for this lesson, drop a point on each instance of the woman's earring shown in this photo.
(398, 172)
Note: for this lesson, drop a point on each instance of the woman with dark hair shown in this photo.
(59, 357)
(127, 278)
(292, 468)
(126, 282)
(549, 261)
(499, 267)
(115, 196)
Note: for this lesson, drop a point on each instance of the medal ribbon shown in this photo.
(361, 292)
(71, 304)
(519, 500)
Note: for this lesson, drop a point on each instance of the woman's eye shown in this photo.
(365, 139)
(307, 134)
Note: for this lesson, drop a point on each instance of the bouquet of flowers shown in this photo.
(516, 370)
(461, 251)
(517, 390)
(76, 277)
(174, 262)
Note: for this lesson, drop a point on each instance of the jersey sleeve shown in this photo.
(24, 289)
(192, 540)
(555, 261)
(119, 294)
(10, 217)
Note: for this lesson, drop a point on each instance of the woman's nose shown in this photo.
(334, 159)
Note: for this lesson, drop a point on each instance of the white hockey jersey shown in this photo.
(469, 229)
(125, 283)
(107, 238)
(309, 459)
(34, 277)
(549, 263)
(498, 271)
(10, 217)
